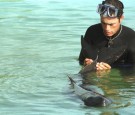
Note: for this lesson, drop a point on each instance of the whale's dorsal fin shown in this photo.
(90, 67)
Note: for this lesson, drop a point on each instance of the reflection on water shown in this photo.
(40, 43)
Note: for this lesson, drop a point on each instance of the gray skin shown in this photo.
(89, 68)
(89, 97)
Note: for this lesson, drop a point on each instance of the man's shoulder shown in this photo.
(95, 27)
(128, 32)
(128, 29)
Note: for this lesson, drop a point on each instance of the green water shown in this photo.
(39, 45)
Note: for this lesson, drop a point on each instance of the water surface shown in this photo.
(40, 44)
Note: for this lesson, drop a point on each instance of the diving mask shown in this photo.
(107, 10)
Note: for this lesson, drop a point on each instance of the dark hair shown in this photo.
(118, 4)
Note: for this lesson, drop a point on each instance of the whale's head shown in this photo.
(96, 101)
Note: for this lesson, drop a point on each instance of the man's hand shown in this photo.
(87, 61)
(99, 66)
(103, 66)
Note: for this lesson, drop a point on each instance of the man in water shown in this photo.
(106, 38)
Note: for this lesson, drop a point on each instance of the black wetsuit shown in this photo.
(122, 43)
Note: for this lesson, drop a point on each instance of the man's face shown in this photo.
(110, 25)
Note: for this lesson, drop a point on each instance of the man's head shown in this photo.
(111, 13)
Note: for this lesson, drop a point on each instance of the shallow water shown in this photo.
(40, 44)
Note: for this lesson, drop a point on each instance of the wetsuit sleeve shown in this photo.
(82, 55)
(131, 48)
(128, 58)
(87, 49)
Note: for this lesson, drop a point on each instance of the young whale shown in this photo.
(89, 97)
